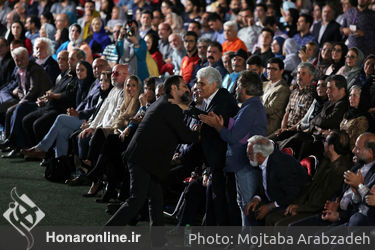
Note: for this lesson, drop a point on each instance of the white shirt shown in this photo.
(209, 99)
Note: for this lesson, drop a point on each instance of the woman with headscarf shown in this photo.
(83, 83)
(277, 47)
(47, 30)
(99, 39)
(61, 36)
(290, 50)
(324, 59)
(355, 121)
(353, 66)
(339, 51)
(75, 41)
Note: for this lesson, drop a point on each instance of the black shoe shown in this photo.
(113, 207)
(81, 180)
(110, 193)
(15, 153)
(7, 149)
(44, 162)
(5, 144)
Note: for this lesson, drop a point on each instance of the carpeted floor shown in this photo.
(62, 204)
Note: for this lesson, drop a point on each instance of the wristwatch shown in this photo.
(360, 186)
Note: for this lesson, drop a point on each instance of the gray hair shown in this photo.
(310, 67)
(20, 51)
(251, 82)
(211, 75)
(261, 145)
(356, 87)
(231, 24)
(204, 40)
(81, 54)
(50, 48)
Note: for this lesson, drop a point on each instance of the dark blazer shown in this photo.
(6, 69)
(331, 34)
(214, 148)
(285, 178)
(37, 83)
(52, 69)
(157, 137)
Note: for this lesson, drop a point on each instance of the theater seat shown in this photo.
(288, 151)
(310, 163)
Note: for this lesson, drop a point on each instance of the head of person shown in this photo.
(266, 37)
(146, 19)
(46, 17)
(291, 16)
(235, 6)
(353, 58)
(115, 14)
(47, 30)
(116, 32)
(89, 6)
(152, 42)
(98, 66)
(246, 16)
(62, 60)
(304, 23)
(230, 30)
(336, 143)
(339, 51)
(215, 22)
(157, 18)
(336, 88)
(249, 85)
(75, 56)
(355, 96)
(321, 87)
(364, 149)
(17, 31)
(164, 30)
(16, 44)
(159, 90)
(21, 57)
(326, 52)
(62, 21)
(84, 71)
(202, 48)
(363, 3)
(175, 41)
(260, 11)
(239, 60)
(4, 46)
(275, 69)
(190, 42)
(96, 25)
(317, 11)
(119, 74)
(214, 52)
(149, 91)
(32, 23)
(166, 7)
(305, 74)
(132, 87)
(43, 48)
(209, 81)
(328, 13)
(369, 65)
(75, 33)
(277, 45)
(270, 22)
(227, 61)
(175, 86)
(312, 49)
(195, 26)
(271, 10)
(258, 149)
(192, 6)
(254, 63)
(195, 94)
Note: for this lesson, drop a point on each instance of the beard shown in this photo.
(115, 84)
(185, 98)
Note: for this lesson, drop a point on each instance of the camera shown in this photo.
(129, 30)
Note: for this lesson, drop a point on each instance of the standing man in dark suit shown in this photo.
(218, 100)
(282, 179)
(327, 30)
(150, 151)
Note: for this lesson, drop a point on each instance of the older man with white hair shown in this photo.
(43, 51)
(232, 42)
(282, 179)
(217, 100)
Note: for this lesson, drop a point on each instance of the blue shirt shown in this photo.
(250, 120)
(301, 41)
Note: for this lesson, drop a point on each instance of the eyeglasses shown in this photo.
(351, 57)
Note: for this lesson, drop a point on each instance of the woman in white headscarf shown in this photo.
(290, 50)
(353, 66)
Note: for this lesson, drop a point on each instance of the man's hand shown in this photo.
(263, 211)
(302, 55)
(331, 205)
(213, 120)
(124, 134)
(359, 33)
(72, 112)
(291, 209)
(41, 101)
(205, 180)
(85, 133)
(353, 179)
(142, 99)
(331, 216)
(370, 199)
(252, 205)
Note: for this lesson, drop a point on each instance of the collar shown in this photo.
(209, 99)
(264, 164)
(41, 62)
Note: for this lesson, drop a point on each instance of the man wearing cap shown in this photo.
(238, 65)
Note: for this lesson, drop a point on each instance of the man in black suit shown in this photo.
(327, 30)
(218, 100)
(150, 151)
(282, 179)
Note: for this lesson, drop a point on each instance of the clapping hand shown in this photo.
(212, 120)
(353, 179)
(370, 199)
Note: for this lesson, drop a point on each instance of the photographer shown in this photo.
(133, 50)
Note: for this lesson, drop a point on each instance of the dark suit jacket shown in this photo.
(331, 34)
(214, 148)
(52, 69)
(285, 178)
(37, 83)
(6, 69)
(157, 137)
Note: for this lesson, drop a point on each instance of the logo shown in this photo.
(24, 215)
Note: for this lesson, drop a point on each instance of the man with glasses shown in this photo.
(192, 57)
(276, 94)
